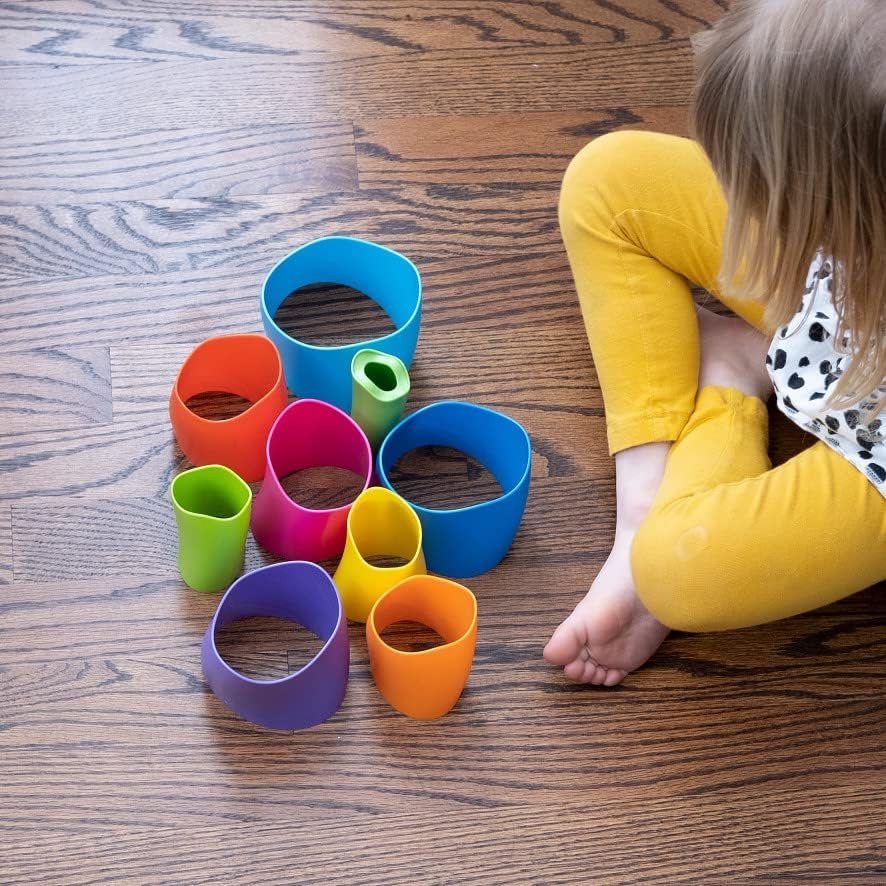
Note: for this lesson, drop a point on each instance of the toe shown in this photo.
(599, 676)
(590, 672)
(614, 677)
(567, 642)
(575, 669)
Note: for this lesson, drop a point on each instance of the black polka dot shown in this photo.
(818, 395)
(865, 454)
(768, 360)
(781, 358)
(821, 315)
(804, 361)
(851, 418)
(817, 332)
(832, 423)
(830, 378)
(795, 382)
(825, 367)
(878, 472)
(864, 440)
(789, 405)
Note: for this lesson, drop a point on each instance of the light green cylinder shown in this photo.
(380, 389)
(212, 506)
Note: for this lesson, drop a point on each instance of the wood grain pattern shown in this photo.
(160, 236)
(86, 33)
(498, 292)
(761, 841)
(55, 540)
(168, 163)
(157, 157)
(136, 454)
(78, 100)
(5, 545)
(498, 150)
(108, 670)
(55, 389)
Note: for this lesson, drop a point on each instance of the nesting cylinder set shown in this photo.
(348, 414)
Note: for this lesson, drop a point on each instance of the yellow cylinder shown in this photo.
(380, 524)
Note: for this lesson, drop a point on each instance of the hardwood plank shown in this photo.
(171, 236)
(5, 545)
(501, 149)
(77, 32)
(168, 163)
(498, 292)
(772, 836)
(55, 389)
(81, 100)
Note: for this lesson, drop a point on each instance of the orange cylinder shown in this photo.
(247, 365)
(427, 684)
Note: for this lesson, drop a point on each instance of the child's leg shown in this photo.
(611, 631)
(640, 214)
(730, 543)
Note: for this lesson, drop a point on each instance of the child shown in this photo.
(781, 214)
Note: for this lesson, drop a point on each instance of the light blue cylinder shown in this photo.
(388, 278)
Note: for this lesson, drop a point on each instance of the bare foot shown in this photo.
(733, 355)
(610, 633)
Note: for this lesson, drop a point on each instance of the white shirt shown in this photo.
(804, 362)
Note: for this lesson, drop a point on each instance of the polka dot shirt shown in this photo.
(805, 361)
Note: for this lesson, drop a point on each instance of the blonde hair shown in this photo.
(790, 106)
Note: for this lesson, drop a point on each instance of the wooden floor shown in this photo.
(156, 158)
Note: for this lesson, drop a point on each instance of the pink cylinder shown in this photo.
(307, 434)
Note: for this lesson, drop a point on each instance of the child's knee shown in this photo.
(674, 568)
(595, 168)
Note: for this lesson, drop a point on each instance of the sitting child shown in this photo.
(779, 211)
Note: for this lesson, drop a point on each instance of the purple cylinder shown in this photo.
(300, 592)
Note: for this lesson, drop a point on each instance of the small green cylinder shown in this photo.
(212, 506)
(380, 389)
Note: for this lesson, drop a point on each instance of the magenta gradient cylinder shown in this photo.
(308, 433)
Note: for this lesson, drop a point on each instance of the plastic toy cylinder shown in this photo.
(424, 685)
(302, 593)
(462, 542)
(308, 433)
(380, 524)
(212, 506)
(247, 365)
(380, 386)
(385, 276)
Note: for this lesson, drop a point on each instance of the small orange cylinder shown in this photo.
(427, 684)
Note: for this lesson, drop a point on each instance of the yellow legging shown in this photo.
(730, 541)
